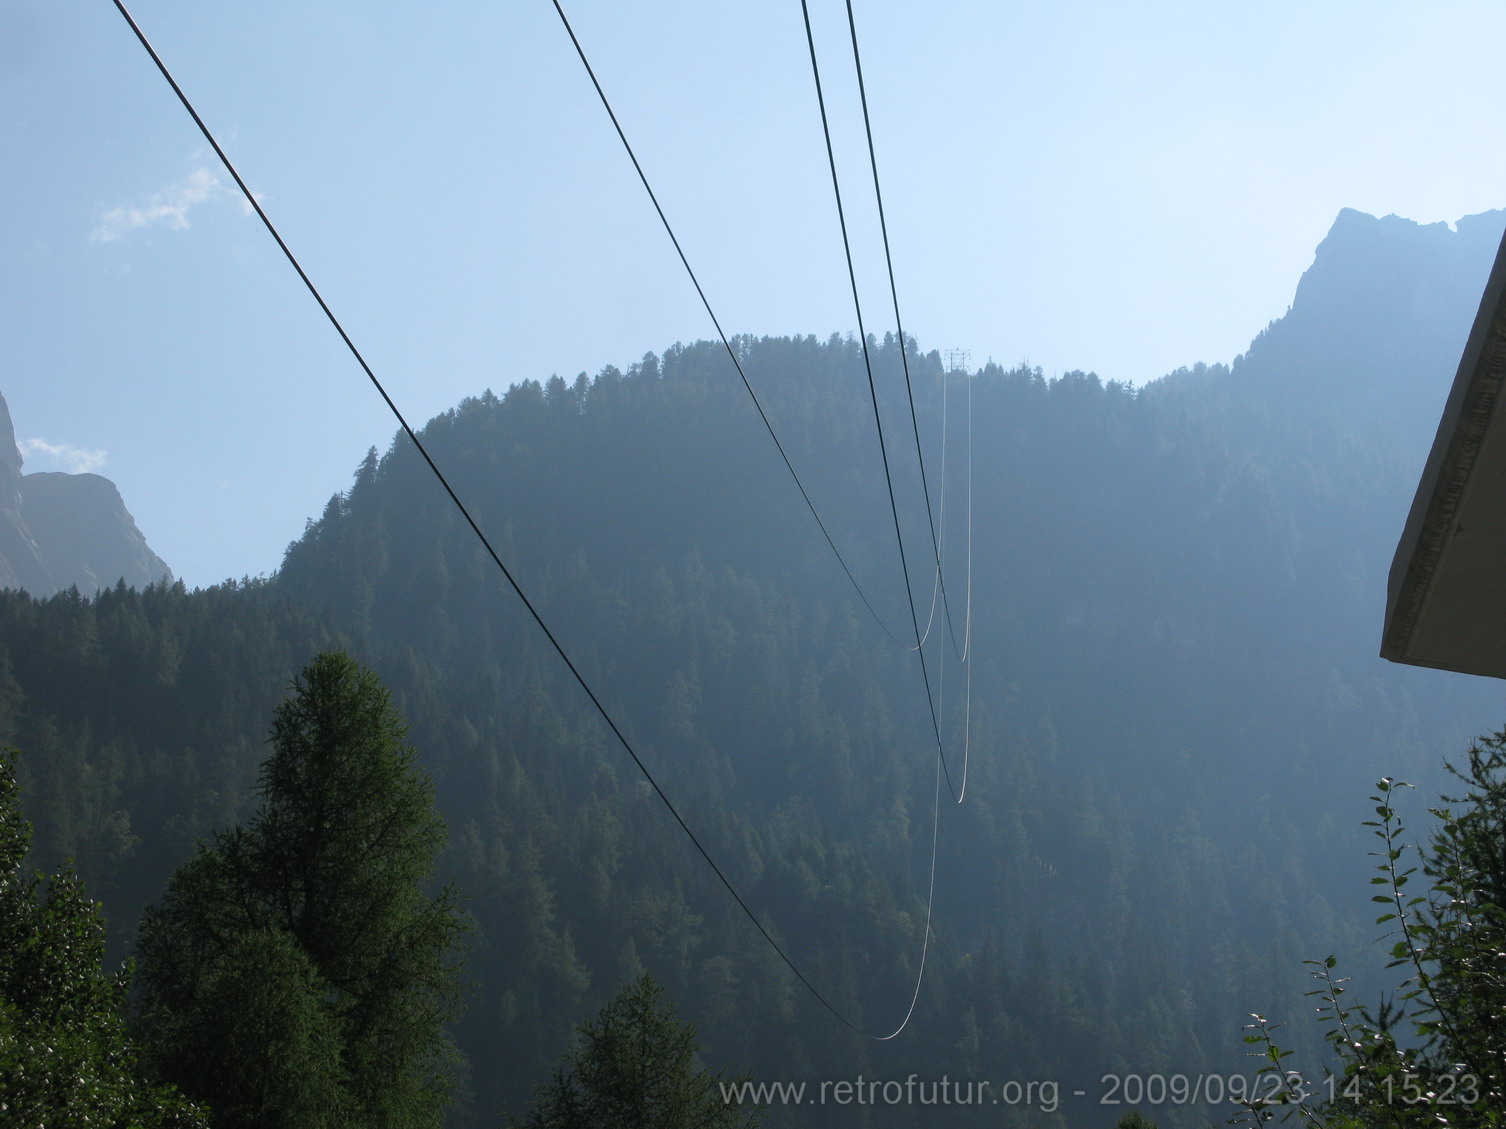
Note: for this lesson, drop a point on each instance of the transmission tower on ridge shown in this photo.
(958, 359)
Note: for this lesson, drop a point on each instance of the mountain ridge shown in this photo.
(60, 531)
(1356, 312)
(1177, 708)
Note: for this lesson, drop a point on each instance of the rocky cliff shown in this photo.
(66, 530)
(1381, 315)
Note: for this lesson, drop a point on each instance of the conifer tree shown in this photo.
(634, 1068)
(297, 973)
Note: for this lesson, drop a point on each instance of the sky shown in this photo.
(1118, 188)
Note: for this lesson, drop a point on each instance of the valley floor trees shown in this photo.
(634, 1068)
(64, 1055)
(296, 973)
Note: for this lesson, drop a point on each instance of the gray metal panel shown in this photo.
(1446, 597)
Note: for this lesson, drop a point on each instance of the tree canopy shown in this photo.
(298, 972)
(1175, 593)
(634, 1067)
(65, 1058)
(1434, 1052)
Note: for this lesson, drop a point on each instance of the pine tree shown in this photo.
(634, 1068)
(296, 973)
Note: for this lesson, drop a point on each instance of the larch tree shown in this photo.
(298, 972)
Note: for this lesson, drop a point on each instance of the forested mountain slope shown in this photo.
(1176, 704)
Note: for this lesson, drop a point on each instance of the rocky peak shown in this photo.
(66, 530)
(1380, 318)
(10, 453)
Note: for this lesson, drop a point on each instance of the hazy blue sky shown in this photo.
(1124, 188)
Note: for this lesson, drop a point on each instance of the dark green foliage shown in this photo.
(296, 973)
(634, 1067)
(1434, 1053)
(65, 1059)
(1176, 591)
(1135, 563)
(262, 1032)
(1464, 930)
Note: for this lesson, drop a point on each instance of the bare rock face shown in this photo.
(1384, 304)
(20, 557)
(66, 530)
(87, 537)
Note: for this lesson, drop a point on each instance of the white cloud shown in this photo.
(170, 207)
(74, 460)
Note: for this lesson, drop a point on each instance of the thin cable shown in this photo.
(967, 629)
(936, 589)
(925, 945)
(731, 353)
(941, 534)
(852, 278)
(931, 613)
(904, 352)
(497, 560)
(967, 635)
(967, 709)
(967, 729)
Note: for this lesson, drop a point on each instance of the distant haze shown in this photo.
(1125, 189)
(1172, 711)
